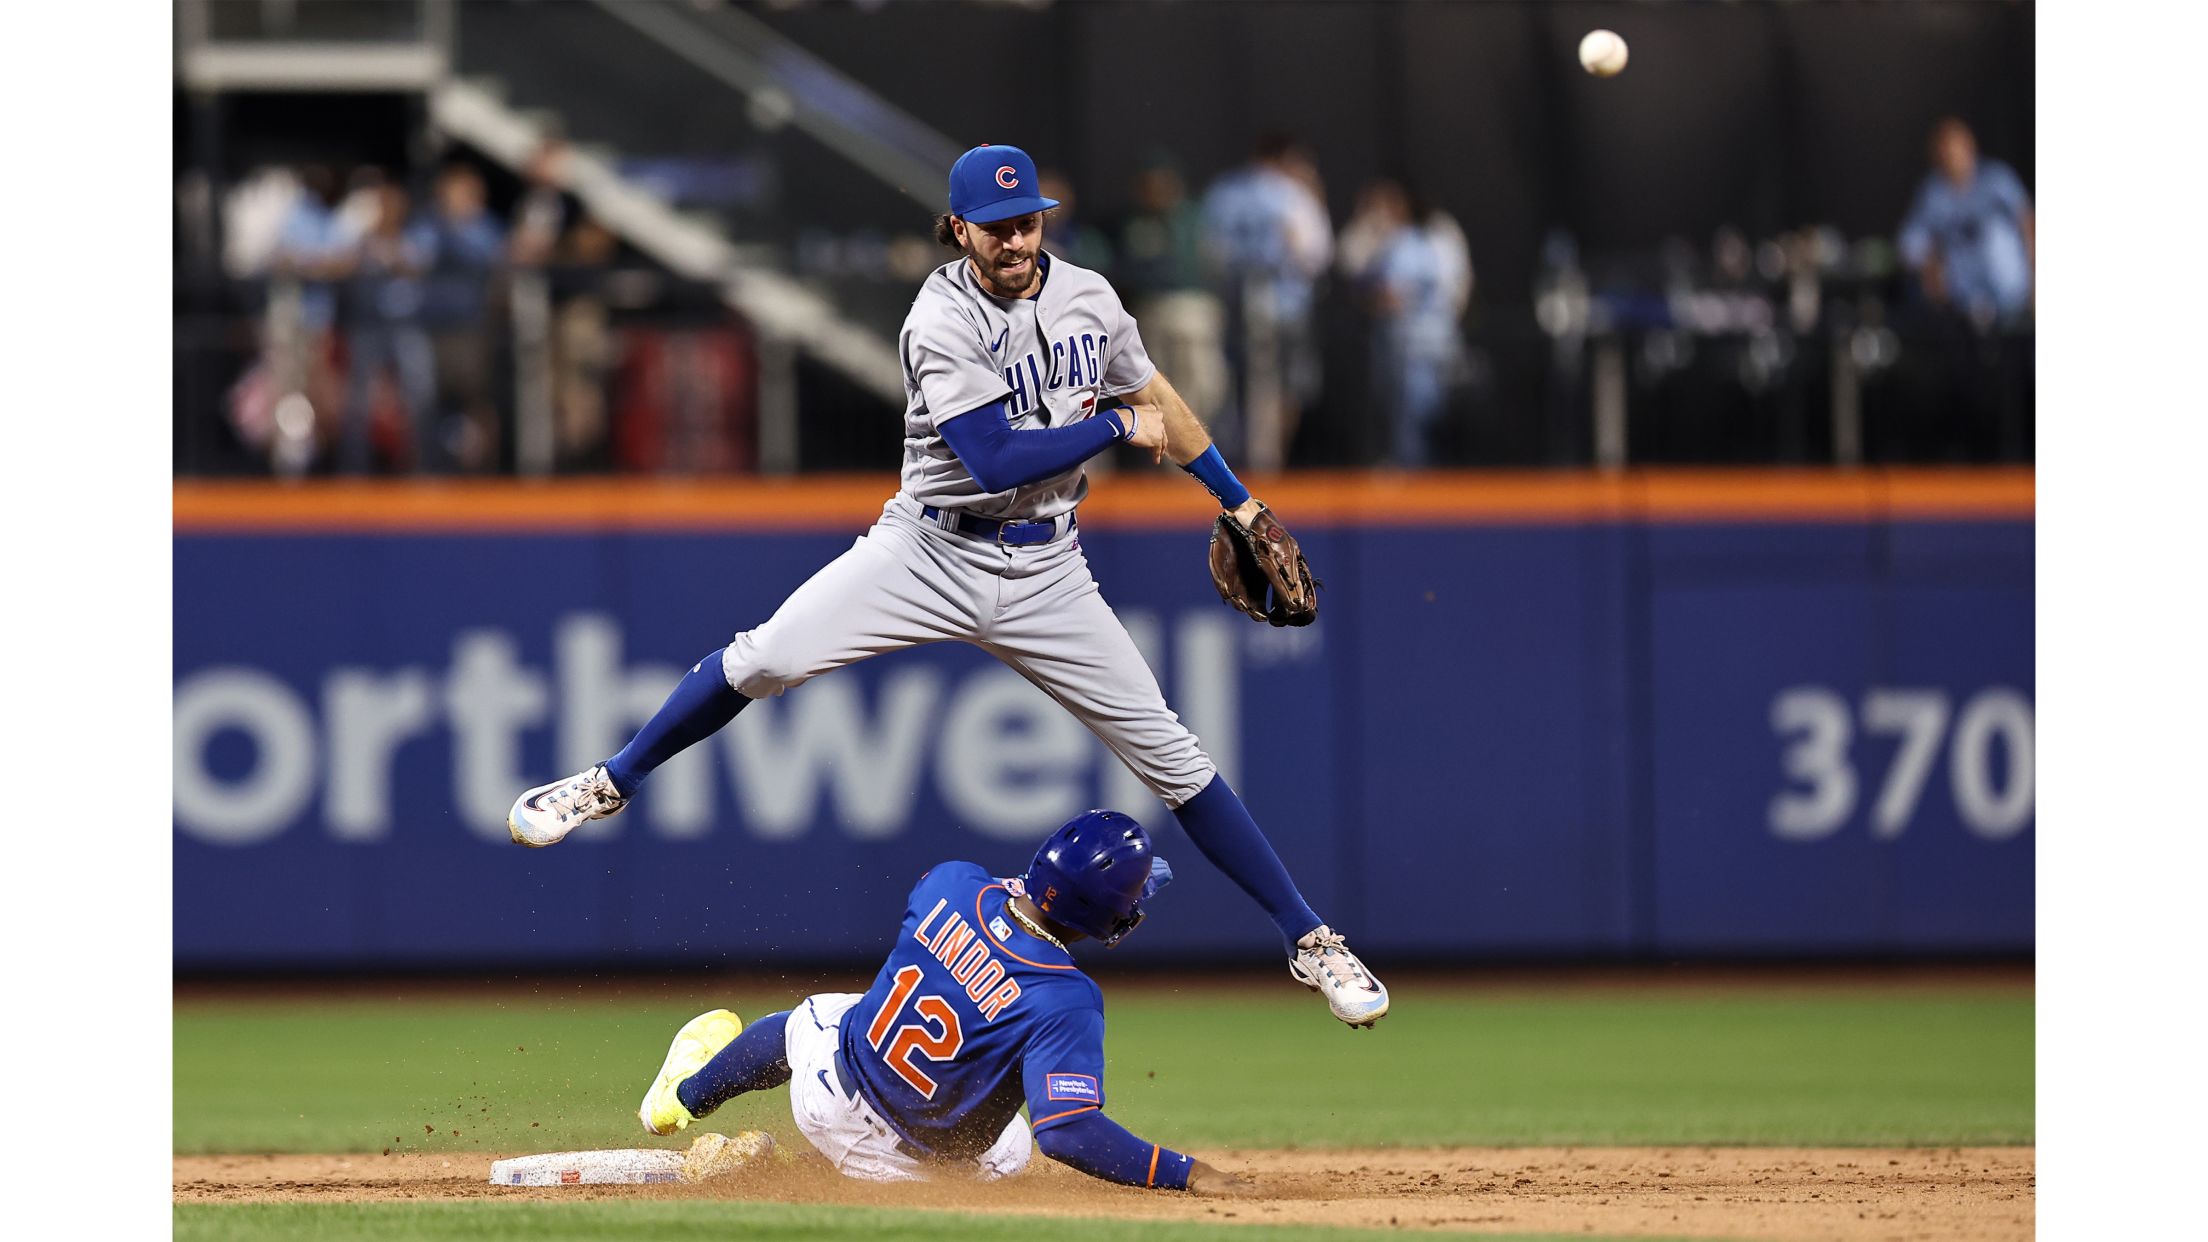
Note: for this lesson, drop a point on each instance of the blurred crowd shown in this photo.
(1228, 287)
(387, 316)
(393, 324)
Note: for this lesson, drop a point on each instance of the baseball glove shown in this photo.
(1260, 570)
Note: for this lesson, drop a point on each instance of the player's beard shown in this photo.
(993, 278)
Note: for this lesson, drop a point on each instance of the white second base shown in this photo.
(633, 1167)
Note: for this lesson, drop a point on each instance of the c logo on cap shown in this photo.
(1008, 177)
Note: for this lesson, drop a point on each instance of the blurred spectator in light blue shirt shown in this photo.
(1266, 220)
(383, 316)
(465, 244)
(1968, 235)
(465, 247)
(314, 248)
(1416, 272)
(1267, 234)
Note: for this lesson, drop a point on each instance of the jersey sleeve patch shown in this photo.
(1080, 1087)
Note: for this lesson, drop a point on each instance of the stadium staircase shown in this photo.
(654, 76)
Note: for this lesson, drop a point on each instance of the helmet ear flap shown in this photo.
(1121, 928)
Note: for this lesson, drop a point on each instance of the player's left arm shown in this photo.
(1102, 1148)
(1096, 1145)
(1137, 381)
(1062, 1071)
(1257, 566)
(1190, 447)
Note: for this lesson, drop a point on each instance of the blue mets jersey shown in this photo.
(971, 1016)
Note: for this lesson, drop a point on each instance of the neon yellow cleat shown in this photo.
(696, 1043)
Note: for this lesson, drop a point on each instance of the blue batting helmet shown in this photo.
(1094, 873)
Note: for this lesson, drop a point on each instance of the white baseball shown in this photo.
(1602, 53)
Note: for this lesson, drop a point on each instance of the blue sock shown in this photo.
(1222, 828)
(754, 1061)
(702, 702)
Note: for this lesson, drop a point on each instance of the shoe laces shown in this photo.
(1329, 950)
(591, 794)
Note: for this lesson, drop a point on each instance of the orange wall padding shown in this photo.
(1165, 499)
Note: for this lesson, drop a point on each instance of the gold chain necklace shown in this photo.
(1025, 922)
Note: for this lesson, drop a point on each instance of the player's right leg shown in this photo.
(695, 1044)
(1067, 641)
(714, 1059)
(891, 589)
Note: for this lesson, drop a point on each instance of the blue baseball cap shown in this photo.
(995, 183)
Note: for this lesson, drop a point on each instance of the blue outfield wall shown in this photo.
(1587, 739)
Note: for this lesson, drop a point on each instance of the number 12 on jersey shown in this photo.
(939, 1044)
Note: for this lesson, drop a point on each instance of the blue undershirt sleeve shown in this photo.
(1001, 459)
(1062, 1071)
(1101, 1147)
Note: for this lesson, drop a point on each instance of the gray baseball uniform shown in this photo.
(911, 579)
(1055, 354)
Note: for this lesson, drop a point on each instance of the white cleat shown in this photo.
(1324, 964)
(546, 814)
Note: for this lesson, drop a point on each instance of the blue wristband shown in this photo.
(1211, 470)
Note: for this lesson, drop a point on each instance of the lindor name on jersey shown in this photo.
(953, 943)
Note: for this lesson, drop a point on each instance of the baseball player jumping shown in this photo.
(1018, 367)
(978, 1010)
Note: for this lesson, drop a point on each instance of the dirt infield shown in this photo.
(1969, 1194)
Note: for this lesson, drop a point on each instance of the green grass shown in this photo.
(560, 1069)
(701, 1222)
